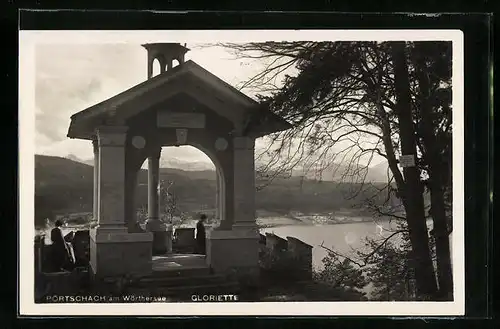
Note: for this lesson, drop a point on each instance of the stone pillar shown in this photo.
(237, 250)
(114, 251)
(111, 173)
(162, 233)
(95, 145)
(244, 183)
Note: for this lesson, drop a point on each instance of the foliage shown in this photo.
(172, 213)
(342, 94)
(386, 270)
(344, 103)
(390, 272)
(342, 273)
(142, 216)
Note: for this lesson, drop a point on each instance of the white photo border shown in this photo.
(26, 298)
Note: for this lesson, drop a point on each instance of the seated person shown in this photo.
(62, 257)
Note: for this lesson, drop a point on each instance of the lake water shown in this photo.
(343, 238)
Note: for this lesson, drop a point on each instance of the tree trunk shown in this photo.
(413, 190)
(444, 268)
(437, 182)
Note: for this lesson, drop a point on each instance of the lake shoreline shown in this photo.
(269, 222)
(262, 223)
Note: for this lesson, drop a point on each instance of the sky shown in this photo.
(70, 77)
(73, 70)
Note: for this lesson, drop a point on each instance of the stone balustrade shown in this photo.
(48, 281)
(302, 252)
(184, 239)
(43, 255)
(39, 253)
(297, 253)
(275, 243)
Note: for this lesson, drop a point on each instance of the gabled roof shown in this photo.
(83, 123)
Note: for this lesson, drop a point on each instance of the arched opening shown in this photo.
(188, 186)
(156, 67)
(175, 62)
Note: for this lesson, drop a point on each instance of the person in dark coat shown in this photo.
(200, 235)
(61, 256)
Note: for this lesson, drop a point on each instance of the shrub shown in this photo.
(341, 274)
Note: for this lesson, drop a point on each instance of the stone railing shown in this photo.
(275, 243)
(40, 253)
(80, 244)
(302, 253)
(48, 280)
(291, 256)
(184, 240)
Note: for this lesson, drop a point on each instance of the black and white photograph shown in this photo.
(241, 172)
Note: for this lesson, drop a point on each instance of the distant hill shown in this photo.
(172, 162)
(341, 173)
(333, 173)
(66, 186)
(169, 162)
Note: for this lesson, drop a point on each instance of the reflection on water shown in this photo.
(345, 239)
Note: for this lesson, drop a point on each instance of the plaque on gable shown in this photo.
(180, 120)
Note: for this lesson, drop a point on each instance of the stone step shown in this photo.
(184, 271)
(170, 281)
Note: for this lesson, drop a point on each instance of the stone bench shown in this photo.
(291, 257)
(275, 243)
(302, 253)
(185, 239)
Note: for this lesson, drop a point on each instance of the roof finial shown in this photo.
(165, 54)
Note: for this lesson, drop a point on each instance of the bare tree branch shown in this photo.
(365, 260)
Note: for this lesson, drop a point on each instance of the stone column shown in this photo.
(221, 197)
(131, 174)
(217, 196)
(162, 233)
(244, 183)
(153, 188)
(111, 174)
(151, 60)
(95, 145)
